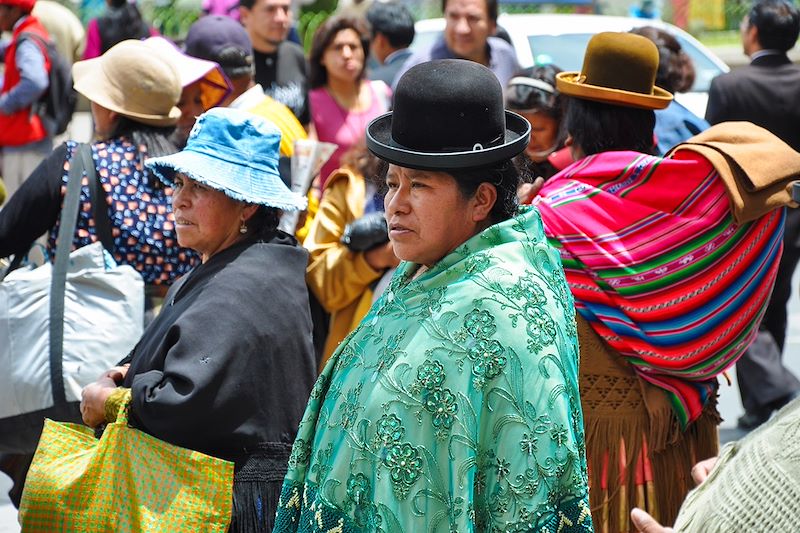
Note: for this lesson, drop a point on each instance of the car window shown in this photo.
(563, 51)
(566, 52)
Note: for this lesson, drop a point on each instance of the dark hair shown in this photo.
(121, 21)
(235, 62)
(393, 20)
(506, 178)
(491, 9)
(675, 68)
(324, 36)
(778, 24)
(155, 139)
(597, 127)
(264, 222)
(247, 3)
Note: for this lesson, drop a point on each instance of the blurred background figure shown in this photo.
(25, 138)
(204, 85)
(349, 244)
(121, 20)
(280, 64)
(225, 8)
(676, 73)
(64, 28)
(647, 9)
(469, 33)
(532, 93)
(391, 33)
(767, 93)
(342, 102)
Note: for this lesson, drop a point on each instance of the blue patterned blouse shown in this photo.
(140, 210)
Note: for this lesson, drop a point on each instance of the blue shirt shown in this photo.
(674, 125)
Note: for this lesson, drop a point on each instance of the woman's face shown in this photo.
(206, 220)
(544, 135)
(428, 217)
(191, 106)
(344, 58)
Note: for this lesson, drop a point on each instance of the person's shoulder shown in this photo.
(727, 79)
(290, 48)
(340, 180)
(501, 46)
(251, 264)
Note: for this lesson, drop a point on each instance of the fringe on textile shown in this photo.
(637, 454)
(257, 488)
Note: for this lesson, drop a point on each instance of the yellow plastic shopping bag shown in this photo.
(126, 481)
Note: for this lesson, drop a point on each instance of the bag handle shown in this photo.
(66, 234)
(102, 223)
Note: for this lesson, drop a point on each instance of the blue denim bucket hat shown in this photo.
(234, 152)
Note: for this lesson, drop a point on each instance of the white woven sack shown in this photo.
(103, 317)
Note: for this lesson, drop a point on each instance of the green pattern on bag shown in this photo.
(127, 481)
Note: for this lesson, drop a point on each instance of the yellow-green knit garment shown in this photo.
(127, 481)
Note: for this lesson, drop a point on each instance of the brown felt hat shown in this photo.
(618, 69)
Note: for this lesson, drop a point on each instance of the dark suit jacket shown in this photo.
(766, 93)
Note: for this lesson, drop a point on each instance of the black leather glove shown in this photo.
(366, 232)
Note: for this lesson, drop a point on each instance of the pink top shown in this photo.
(344, 128)
(93, 45)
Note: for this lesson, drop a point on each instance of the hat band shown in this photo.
(476, 147)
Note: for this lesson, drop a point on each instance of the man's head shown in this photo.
(267, 22)
(13, 10)
(469, 23)
(770, 25)
(392, 28)
(225, 42)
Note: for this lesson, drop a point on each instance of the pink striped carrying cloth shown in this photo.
(659, 268)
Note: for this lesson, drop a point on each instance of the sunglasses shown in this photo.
(528, 94)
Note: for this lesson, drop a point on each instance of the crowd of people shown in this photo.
(513, 291)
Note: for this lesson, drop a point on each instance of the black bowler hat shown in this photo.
(448, 114)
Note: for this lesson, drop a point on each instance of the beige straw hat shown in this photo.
(133, 81)
(214, 84)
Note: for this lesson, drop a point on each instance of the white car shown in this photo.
(561, 40)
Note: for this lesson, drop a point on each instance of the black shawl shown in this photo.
(227, 366)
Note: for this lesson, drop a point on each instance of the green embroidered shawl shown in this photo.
(454, 405)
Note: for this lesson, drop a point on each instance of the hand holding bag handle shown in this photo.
(81, 160)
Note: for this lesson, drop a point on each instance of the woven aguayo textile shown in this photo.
(658, 267)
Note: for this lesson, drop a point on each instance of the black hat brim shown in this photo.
(380, 143)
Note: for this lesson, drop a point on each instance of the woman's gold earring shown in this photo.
(243, 228)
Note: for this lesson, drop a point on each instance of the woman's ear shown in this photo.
(248, 211)
(113, 119)
(483, 201)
